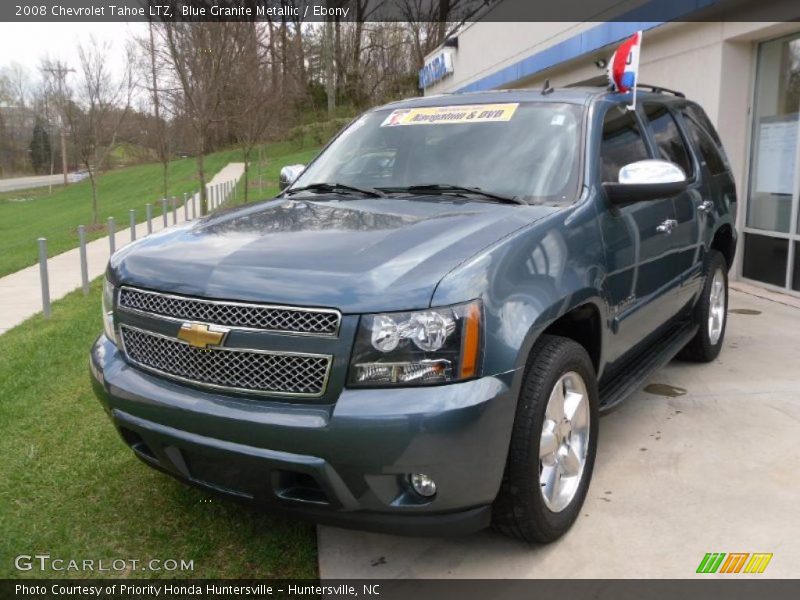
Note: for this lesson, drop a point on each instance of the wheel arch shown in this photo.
(581, 321)
(724, 241)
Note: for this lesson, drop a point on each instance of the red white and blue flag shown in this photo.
(623, 70)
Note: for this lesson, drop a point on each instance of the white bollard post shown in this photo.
(132, 213)
(164, 212)
(149, 209)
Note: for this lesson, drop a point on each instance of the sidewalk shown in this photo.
(20, 292)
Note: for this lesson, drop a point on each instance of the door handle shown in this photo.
(705, 206)
(667, 226)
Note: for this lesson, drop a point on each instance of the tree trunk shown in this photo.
(246, 154)
(163, 153)
(201, 176)
(284, 55)
(355, 74)
(95, 211)
(272, 49)
(330, 82)
(338, 56)
(165, 177)
(301, 58)
(441, 28)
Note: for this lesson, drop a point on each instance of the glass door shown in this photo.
(771, 240)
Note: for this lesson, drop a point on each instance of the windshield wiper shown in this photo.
(337, 187)
(446, 188)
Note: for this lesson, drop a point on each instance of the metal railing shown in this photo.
(217, 195)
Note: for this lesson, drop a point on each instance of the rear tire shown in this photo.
(711, 312)
(552, 451)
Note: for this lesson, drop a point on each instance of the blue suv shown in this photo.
(420, 332)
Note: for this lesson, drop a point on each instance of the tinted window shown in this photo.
(622, 143)
(698, 115)
(709, 151)
(668, 138)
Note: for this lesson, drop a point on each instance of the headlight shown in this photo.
(108, 310)
(430, 346)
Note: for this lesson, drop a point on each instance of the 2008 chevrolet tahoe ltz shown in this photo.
(419, 333)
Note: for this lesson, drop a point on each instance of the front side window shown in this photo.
(527, 150)
(669, 141)
(622, 143)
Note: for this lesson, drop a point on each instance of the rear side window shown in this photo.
(622, 143)
(698, 115)
(668, 137)
(705, 144)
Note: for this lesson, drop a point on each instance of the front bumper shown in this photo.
(343, 464)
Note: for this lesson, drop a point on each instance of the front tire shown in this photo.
(553, 444)
(711, 312)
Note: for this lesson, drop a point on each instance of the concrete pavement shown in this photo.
(20, 292)
(712, 467)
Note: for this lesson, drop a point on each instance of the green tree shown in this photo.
(40, 148)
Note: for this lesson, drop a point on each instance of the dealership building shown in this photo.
(745, 74)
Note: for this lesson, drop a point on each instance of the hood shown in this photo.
(357, 255)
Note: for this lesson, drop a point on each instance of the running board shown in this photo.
(633, 376)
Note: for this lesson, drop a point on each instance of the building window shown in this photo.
(771, 228)
(765, 258)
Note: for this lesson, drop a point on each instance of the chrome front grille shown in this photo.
(281, 319)
(231, 369)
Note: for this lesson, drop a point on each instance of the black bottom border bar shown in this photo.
(731, 588)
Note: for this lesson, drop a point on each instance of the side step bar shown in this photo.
(632, 378)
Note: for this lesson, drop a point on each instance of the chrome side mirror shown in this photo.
(651, 171)
(646, 180)
(289, 175)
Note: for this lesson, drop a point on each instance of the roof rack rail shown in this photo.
(602, 81)
(660, 90)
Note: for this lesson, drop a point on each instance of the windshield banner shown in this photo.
(477, 113)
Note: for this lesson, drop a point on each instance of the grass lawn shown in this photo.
(70, 488)
(26, 215)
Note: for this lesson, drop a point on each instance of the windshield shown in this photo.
(529, 150)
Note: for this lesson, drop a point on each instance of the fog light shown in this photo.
(423, 485)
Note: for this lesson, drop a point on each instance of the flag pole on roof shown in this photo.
(623, 68)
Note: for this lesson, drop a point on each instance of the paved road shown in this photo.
(714, 470)
(26, 183)
(20, 292)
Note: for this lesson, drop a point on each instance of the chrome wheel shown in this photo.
(564, 444)
(716, 307)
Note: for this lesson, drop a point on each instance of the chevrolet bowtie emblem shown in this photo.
(202, 336)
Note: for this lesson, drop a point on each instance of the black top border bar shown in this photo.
(311, 11)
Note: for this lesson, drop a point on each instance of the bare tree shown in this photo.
(256, 105)
(203, 57)
(432, 22)
(58, 93)
(95, 114)
(159, 139)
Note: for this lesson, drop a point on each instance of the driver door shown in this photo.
(642, 274)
